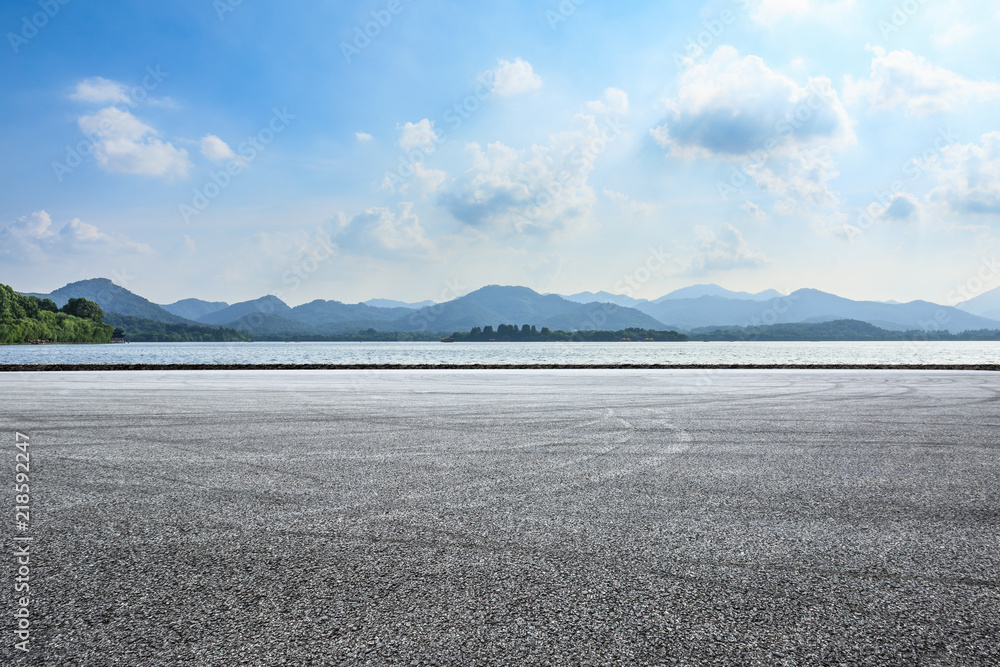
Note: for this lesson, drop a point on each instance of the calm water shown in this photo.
(957, 352)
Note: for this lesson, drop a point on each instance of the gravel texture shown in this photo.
(472, 517)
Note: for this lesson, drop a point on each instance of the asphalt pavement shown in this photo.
(549, 517)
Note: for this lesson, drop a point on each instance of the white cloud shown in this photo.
(514, 78)
(800, 180)
(36, 237)
(98, 90)
(954, 34)
(730, 106)
(724, 250)
(969, 177)
(125, 144)
(418, 135)
(902, 78)
(362, 137)
(770, 12)
(539, 189)
(379, 231)
(217, 150)
(422, 181)
(614, 103)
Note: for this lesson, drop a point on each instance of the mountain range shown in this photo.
(688, 309)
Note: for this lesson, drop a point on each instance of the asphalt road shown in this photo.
(507, 517)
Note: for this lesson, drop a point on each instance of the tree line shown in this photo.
(527, 333)
(25, 319)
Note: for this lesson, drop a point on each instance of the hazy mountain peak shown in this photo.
(711, 289)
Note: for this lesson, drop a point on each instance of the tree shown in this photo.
(85, 309)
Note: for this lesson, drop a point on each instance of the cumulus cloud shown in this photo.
(125, 144)
(969, 177)
(613, 103)
(380, 231)
(35, 236)
(418, 135)
(539, 189)
(362, 137)
(902, 78)
(98, 90)
(513, 78)
(724, 249)
(217, 150)
(730, 106)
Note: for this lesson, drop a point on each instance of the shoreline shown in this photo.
(17, 368)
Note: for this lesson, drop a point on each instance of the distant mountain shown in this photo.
(266, 305)
(604, 297)
(497, 304)
(113, 299)
(271, 316)
(341, 316)
(389, 303)
(695, 291)
(192, 309)
(265, 325)
(986, 304)
(808, 305)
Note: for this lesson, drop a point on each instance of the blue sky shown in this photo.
(422, 149)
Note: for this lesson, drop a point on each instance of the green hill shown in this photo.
(139, 330)
(27, 318)
(113, 299)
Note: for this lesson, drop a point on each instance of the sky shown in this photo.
(421, 149)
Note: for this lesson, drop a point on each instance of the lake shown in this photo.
(927, 352)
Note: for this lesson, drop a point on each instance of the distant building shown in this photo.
(118, 335)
